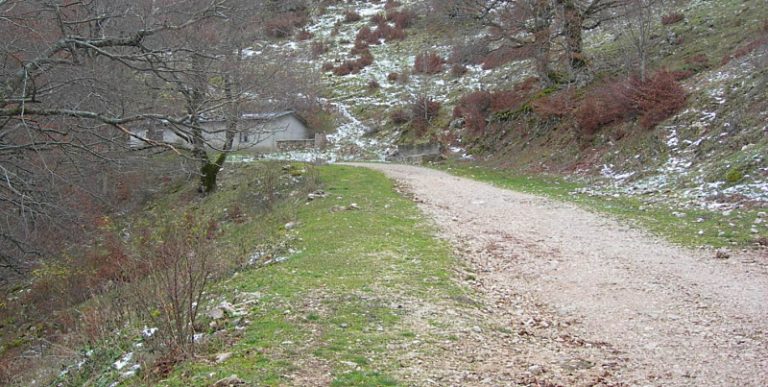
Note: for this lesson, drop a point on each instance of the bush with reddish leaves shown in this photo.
(474, 109)
(604, 104)
(458, 70)
(392, 77)
(428, 63)
(390, 33)
(354, 66)
(282, 25)
(351, 16)
(759, 40)
(367, 36)
(402, 19)
(557, 105)
(318, 48)
(672, 18)
(373, 84)
(745, 49)
(697, 63)
(653, 100)
(657, 98)
(303, 35)
(468, 53)
(345, 68)
(503, 56)
(327, 66)
(392, 4)
(378, 19)
(399, 116)
(506, 100)
(423, 110)
(366, 59)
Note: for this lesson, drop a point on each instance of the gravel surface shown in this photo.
(569, 297)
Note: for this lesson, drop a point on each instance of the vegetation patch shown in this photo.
(680, 225)
(332, 310)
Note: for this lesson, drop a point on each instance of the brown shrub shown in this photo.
(391, 4)
(654, 99)
(373, 84)
(506, 100)
(359, 49)
(697, 63)
(365, 60)
(423, 110)
(351, 16)
(402, 19)
(428, 63)
(392, 77)
(745, 49)
(657, 98)
(327, 66)
(282, 25)
(318, 48)
(672, 18)
(557, 105)
(344, 69)
(399, 116)
(390, 33)
(469, 53)
(303, 35)
(474, 108)
(503, 56)
(367, 36)
(354, 66)
(458, 70)
(604, 104)
(378, 19)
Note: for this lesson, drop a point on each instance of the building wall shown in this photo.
(253, 135)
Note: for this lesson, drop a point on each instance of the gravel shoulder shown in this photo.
(570, 297)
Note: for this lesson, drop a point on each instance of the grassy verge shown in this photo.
(330, 312)
(686, 227)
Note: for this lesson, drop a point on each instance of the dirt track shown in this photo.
(579, 299)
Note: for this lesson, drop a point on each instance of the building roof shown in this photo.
(262, 116)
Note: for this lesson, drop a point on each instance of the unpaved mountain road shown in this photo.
(575, 298)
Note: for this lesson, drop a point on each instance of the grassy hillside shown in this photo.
(329, 290)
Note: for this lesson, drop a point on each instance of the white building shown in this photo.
(257, 132)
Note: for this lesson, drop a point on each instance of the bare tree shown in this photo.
(73, 81)
(639, 18)
(543, 30)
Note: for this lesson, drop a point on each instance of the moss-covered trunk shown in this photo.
(209, 172)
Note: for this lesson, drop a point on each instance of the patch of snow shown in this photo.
(131, 371)
(708, 116)
(148, 332)
(123, 361)
(607, 171)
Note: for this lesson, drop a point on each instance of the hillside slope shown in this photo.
(710, 154)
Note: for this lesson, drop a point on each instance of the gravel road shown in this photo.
(570, 297)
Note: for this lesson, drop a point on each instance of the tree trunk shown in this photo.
(542, 12)
(573, 21)
(232, 112)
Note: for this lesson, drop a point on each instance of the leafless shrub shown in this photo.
(176, 266)
(428, 63)
(672, 18)
(351, 16)
(458, 70)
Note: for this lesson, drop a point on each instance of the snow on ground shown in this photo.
(705, 122)
(353, 139)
